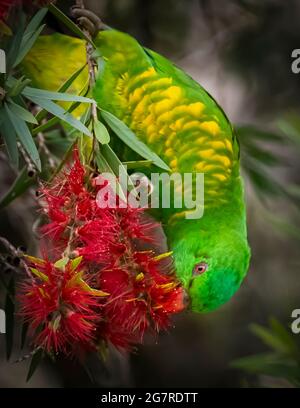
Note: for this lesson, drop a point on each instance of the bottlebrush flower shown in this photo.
(142, 294)
(142, 297)
(60, 307)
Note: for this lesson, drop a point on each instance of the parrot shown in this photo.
(183, 124)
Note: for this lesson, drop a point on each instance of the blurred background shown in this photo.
(240, 51)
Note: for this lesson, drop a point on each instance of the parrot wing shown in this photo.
(166, 67)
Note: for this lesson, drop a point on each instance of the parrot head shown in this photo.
(211, 264)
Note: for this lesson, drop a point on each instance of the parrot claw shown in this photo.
(89, 20)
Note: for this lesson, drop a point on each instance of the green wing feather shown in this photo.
(169, 111)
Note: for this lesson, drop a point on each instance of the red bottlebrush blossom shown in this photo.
(142, 298)
(60, 307)
(141, 294)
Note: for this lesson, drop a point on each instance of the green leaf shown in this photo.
(10, 139)
(17, 86)
(10, 318)
(285, 337)
(101, 132)
(260, 179)
(15, 44)
(61, 114)
(22, 113)
(136, 164)
(35, 21)
(20, 185)
(53, 121)
(104, 167)
(269, 364)
(118, 169)
(269, 338)
(76, 262)
(250, 132)
(35, 361)
(25, 48)
(131, 140)
(61, 263)
(69, 23)
(262, 155)
(255, 362)
(65, 86)
(57, 96)
(25, 137)
(45, 126)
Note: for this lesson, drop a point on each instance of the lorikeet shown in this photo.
(185, 126)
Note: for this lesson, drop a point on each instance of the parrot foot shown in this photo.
(87, 19)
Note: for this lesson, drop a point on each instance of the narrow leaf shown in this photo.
(104, 167)
(15, 44)
(285, 337)
(136, 164)
(35, 21)
(57, 96)
(25, 48)
(131, 140)
(101, 132)
(69, 23)
(39, 274)
(61, 263)
(61, 114)
(25, 137)
(65, 86)
(10, 139)
(76, 262)
(35, 361)
(269, 338)
(17, 86)
(119, 170)
(22, 113)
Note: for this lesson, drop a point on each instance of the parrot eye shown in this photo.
(200, 268)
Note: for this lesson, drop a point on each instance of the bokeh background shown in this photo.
(240, 51)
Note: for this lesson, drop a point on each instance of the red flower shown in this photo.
(142, 295)
(141, 298)
(59, 305)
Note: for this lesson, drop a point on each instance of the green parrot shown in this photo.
(185, 126)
